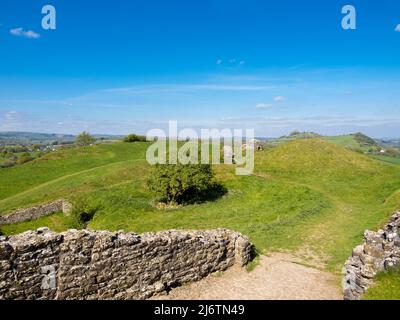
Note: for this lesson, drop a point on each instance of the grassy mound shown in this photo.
(306, 194)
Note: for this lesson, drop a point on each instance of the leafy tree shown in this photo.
(134, 138)
(180, 184)
(84, 139)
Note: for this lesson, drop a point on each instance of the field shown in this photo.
(310, 196)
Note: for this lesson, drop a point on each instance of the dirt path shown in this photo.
(277, 277)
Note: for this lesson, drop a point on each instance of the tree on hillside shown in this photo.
(84, 139)
(134, 138)
(182, 184)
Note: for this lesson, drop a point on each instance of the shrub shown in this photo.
(82, 213)
(393, 152)
(84, 139)
(8, 163)
(24, 159)
(182, 184)
(134, 138)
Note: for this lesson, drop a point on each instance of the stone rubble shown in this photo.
(380, 251)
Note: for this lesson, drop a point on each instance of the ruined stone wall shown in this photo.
(380, 251)
(104, 265)
(37, 212)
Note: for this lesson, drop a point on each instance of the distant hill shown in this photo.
(11, 138)
(356, 141)
(395, 143)
(28, 138)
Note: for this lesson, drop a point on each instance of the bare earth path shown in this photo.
(277, 277)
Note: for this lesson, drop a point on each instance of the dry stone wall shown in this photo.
(105, 265)
(380, 251)
(37, 212)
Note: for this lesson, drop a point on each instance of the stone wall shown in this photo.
(380, 251)
(37, 212)
(104, 265)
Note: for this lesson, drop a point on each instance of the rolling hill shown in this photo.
(29, 138)
(308, 196)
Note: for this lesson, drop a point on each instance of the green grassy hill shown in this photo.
(356, 142)
(309, 195)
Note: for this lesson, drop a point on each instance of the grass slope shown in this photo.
(386, 287)
(39, 180)
(306, 194)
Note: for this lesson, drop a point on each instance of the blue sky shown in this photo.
(129, 66)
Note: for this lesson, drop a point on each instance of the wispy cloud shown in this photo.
(279, 99)
(317, 120)
(162, 88)
(262, 106)
(397, 29)
(11, 115)
(233, 62)
(20, 32)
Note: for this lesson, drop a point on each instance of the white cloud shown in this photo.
(279, 99)
(20, 32)
(262, 106)
(11, 115)
(397, 29)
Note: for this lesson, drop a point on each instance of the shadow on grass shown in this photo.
(214, 193)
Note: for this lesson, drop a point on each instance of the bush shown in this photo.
(392, 152)
(24, 159)
(82, 213)
(8, 163)
(84, 139)
(134, 138)
(183, 184)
